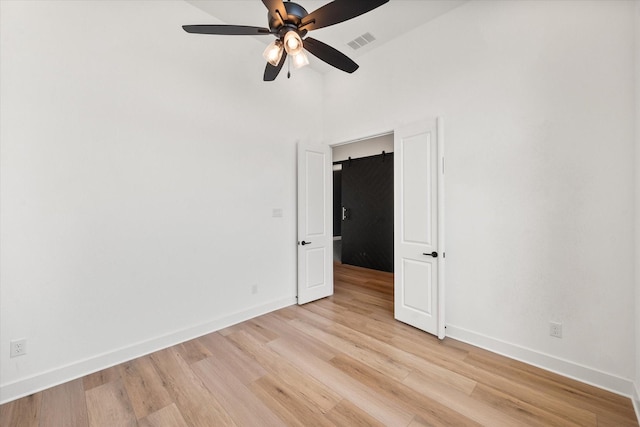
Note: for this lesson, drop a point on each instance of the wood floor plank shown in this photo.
(243, 406)
(432, 411)
(108, 405)
(346, 413)
(144, 387)
(359, 350)
(367, 399)
(320, 349)
(384, 328)
(298, 382)
(264, 335)
(193, 351)
(375, 353)
(371, 287)
(388, 330)
(64, 405)
(327, 313)
(244, 367)
(372, 302)
(169, 416)
(198, 406)
(289, 406)
(461, 402)
(288, 312)
(525, 412)
(613, 421)
(101, 377)
(355, 307)
(22, 412)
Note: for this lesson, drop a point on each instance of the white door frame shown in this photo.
(441, 228)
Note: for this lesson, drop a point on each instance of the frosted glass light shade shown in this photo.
(292, 43)
(300, 60)
(273, 52)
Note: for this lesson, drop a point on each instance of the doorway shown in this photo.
(363, 204)
(418, 220)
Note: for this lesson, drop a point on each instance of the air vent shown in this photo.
(361, 41)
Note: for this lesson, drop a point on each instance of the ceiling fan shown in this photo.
(289, 23)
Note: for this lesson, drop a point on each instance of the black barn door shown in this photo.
(367, 195)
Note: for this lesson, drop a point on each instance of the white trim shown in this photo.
(567, 368)
(62, 374)
(441, 228)
(636, 400)
(364, 138)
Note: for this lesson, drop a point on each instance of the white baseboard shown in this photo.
(636, 400)
(26, 386)
(567, 368)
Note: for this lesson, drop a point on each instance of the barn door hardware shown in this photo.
(346, 213)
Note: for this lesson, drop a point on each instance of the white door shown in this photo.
(315, 223)
(418, 230)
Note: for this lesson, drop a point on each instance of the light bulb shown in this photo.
(300, 60)
(292, 43)
(273, 52)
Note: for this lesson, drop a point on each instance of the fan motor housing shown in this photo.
(295, 14)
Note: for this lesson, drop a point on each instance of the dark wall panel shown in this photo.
(367, 193)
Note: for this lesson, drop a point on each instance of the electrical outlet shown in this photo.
(254, 289)
(555, 329)
(18, 348)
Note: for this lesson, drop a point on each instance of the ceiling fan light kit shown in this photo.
(289, 23)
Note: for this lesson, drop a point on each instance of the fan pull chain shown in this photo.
(289, 67)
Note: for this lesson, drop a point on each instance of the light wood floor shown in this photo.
(339, 361)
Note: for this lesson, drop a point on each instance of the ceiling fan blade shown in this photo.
(330, 55)
(338, 11)
(227, 30)
(276, 9)
(271, 72)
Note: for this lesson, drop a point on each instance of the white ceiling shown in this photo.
(384, 23)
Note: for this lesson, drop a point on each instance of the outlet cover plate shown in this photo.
(555, 329)
(18, 348)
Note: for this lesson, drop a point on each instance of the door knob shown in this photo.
(433, 254)
(305, 243)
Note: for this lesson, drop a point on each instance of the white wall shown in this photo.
(139, 169)
(538, 110)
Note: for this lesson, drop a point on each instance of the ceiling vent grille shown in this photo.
(361, 41)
